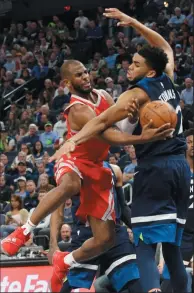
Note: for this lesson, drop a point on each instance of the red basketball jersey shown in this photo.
(94, 149)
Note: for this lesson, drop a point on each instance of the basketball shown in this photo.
(160, 113)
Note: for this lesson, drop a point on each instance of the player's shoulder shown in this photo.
(135, 93)
(78, 108)
(107, 97)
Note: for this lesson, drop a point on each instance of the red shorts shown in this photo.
(96, 196)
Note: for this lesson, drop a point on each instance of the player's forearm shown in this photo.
(115, 137)
(152, 37)
(90, 129)
(57, 219)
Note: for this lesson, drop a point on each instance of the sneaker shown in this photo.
(60, 270)
(13, 242)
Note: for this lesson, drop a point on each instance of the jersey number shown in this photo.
(179, 127)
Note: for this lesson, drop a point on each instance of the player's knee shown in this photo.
(69, 187)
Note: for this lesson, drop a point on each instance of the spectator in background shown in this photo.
(94, 32)
(16, 217)
(43, 183)
(78, 34)
(112, 159)
(48, 86)
(122, 76)
(30, 103)
(5, 190)
(68, 219)
(38, 152)
(7, 143)
(10, 63)
(6, 88)
(32, 136)
(187, 94)
(43, 120)
(111, 58)
(12, 124)
(114, 90)
(45, 97)
(125, 159)
(31, 199)
(21, 187)
(26, 119)
(21, 171)
(14, 109)
(48, 137)
(61, 126)
(20, 134)
(187, 115)
(66, 233)
(8, 177)
(129, 170)
(177, 19)
(22, 157)
(5, 161)
(60, 100)
(84, 21)
(29, 156)
(49, 167)
(40, 70)
(109, 45)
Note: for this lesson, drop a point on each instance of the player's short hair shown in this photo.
(66, 68)
(189, 132)
(155, 57)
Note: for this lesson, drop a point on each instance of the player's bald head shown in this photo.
(68, 68)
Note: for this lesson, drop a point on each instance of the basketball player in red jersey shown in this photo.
(84, 167)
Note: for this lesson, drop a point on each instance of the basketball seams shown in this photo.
(158, 114)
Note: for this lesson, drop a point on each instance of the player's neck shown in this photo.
(85, 96)
(190, 162)
(88, 96)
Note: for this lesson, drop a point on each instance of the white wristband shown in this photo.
(125, 126)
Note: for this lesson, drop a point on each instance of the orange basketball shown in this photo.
(159, 112)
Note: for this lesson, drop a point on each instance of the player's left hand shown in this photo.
(65, 149)
(124, 19)
(133, 111)
(152, 134)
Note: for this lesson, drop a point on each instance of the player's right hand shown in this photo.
(124, 19)
(152, 134)
(65, 149)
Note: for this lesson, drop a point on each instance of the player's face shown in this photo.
(80, 80)
(139, 69)
(190, 147)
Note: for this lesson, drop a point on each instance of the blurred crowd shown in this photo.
(35, 127)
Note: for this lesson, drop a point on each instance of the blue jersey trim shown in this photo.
(169, 232)
(122, 275)
(80, 278)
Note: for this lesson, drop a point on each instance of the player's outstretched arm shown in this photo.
(152, 37)
(125, 105)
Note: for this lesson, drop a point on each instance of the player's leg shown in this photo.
(120, 264)
(102, 240)
(150, 282)
(171, 251)
(69, 185)
(81, 275)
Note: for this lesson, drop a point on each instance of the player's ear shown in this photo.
(67, 83)
(151, 73)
